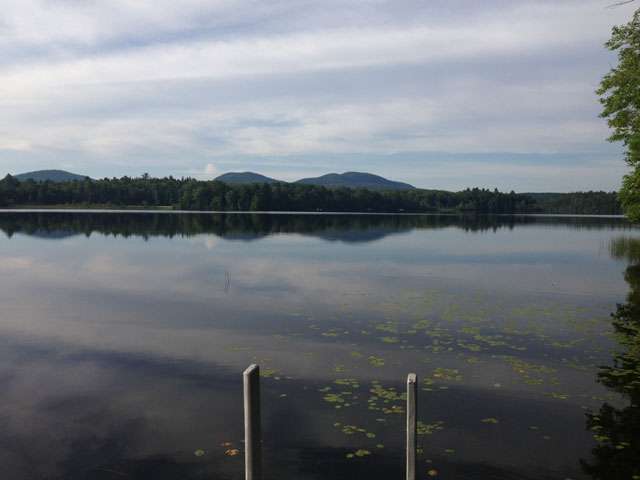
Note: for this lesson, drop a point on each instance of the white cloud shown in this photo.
(107, 85)
(322, 125)
(297, 52)
(210, 170)
(40, 22)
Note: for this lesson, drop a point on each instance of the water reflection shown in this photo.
(616, 427)
(121, 358)
(347, 228)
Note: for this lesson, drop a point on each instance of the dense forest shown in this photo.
(191, 194)
(587, 203)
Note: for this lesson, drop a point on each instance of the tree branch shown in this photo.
(617, 4)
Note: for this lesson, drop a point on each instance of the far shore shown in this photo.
(171, 209)
(83, 206)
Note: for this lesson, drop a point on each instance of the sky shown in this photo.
(437, 93)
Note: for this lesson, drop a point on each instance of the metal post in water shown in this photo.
(412, 383)
(252, 433)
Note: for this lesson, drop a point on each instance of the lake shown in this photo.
(123, 337)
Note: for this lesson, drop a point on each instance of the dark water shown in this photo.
(123, 337)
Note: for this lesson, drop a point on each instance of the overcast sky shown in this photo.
(437, 93)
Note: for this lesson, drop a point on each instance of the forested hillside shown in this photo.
(190, 194)
(52, 175)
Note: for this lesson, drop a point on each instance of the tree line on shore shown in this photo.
(191, 194)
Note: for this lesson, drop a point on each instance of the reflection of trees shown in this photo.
(617, 429)
(349, 228)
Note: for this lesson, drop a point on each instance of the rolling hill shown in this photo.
(51, 175)
(356, 180)
(330, 180)
(245, 177)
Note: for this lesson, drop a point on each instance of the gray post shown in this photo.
(252, 434)
(412, 383)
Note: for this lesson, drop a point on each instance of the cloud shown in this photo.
(210, 170)
(127, 87)
(326, 125)
(524, 31)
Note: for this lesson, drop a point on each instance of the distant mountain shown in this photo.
(52, 175)
(330, 180)
(356, 180)
(245, 177)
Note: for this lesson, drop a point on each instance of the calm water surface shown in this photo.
(123, 337)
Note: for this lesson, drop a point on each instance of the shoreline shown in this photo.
(169, 209)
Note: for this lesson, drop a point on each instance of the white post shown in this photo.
(412, 407)
(252, 434)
